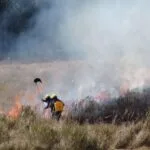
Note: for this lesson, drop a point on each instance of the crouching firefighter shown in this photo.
(55, 104)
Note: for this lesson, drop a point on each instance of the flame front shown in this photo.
(16, 109)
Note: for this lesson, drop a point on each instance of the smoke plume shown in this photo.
(112, 36)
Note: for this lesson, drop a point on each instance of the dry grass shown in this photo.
(32, 132)
(131, 107)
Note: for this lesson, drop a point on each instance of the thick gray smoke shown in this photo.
(100, 30)
(111, 35)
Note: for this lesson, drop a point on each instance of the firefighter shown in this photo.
(55, 104)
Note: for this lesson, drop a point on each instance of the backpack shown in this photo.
(59, 106)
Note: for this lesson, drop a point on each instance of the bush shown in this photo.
(131, 107)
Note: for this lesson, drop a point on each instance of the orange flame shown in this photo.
(30, 98)
(16, 109)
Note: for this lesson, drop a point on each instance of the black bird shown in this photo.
(36, 80)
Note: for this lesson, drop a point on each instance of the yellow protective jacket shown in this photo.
(58, 106)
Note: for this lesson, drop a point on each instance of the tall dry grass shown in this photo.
(30, 131)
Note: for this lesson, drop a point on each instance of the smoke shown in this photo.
(112, 36)
(99, 30)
